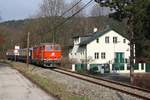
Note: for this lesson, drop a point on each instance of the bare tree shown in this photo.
(76, 8)
(50, 11)
(97, 10)
(52, 8)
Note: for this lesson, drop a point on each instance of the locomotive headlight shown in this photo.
(53, 54)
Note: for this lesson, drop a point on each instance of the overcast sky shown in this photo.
(19, 9)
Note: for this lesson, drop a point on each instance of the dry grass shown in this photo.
(51, 87)
(142, 80)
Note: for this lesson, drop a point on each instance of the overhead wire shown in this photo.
(73, 15)
(70, 8)
(63, 22)
(62, 15)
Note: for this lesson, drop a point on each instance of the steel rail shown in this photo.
(85, 78)
(111, 81)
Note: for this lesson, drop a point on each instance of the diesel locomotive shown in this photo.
(45, 54)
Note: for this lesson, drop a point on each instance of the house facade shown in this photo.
(107, 47)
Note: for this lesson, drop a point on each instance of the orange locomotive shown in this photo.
(46, 54)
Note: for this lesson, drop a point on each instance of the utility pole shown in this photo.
(54, 32)
(132, 56)
(28, 42)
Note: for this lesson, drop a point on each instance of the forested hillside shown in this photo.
(15, 32)
(47, 25)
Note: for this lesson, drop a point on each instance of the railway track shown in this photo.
(121, 87)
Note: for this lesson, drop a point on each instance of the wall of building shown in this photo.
(78, 54)
(109, 48)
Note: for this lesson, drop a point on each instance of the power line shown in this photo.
(62, 16)
(63, 22)
(71, 8)
(73, 15)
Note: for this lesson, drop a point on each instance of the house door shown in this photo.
(119, 57)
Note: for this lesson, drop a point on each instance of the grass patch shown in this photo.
(78, 98)
(49, 85)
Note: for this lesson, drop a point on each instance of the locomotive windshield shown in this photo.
(48, 47)
(52, 47)
(57, 47)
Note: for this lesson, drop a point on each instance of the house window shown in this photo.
(103, 55)
(77, 40)
(114, 39)
(106, 39)
(124, 40)
(97, 40)
(96, 55)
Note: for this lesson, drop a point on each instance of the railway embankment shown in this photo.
(66, 87)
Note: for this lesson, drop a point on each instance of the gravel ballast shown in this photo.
(80, 87)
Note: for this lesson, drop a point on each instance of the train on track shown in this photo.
(45, 54)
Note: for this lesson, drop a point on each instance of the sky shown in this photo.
(18, 9)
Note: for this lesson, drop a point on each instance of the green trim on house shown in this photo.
(136, 66)
(80, 67)
(118, 66)
(147, 67)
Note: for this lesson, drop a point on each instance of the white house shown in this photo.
(100, 48)
(107, 47)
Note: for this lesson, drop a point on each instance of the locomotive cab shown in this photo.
(52, 54)
(47, 54)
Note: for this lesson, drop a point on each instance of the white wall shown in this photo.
(109, 48)
(78, 54)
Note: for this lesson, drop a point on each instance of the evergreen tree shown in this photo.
(137, 13)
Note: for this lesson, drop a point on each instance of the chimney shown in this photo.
(95, 30)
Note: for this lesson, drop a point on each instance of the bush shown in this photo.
(66, 63)
(142, 80)
(93, 70)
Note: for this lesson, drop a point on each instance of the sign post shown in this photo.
(28, 40)
(16, 52)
